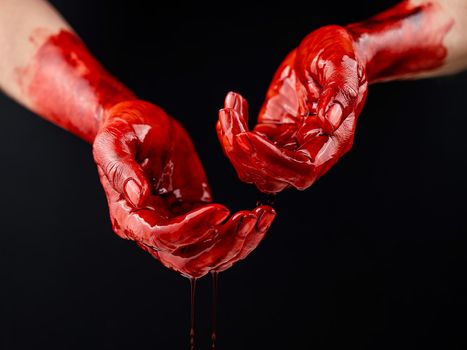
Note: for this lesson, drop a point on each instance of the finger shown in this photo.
(233, 118)
(228, 244)
(232, 243)
(255, 145)
(292, 167)
(241, 154)
(192, 250)
(239, 104)
(230, 124)
(112, 201)
(339, 96)
(249, 173)
(114, 151)
(196, 225)
(151, 228)
(266, 216)
(263, 224)
(283, 135)
(253, 166)
(108, 189)
(233, 238)
(135, 225)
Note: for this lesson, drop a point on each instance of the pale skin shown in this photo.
(19, 23)
(455, 40)
(26, 24)
(19, 20)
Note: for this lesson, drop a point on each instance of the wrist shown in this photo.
(66, 85)
(326, 44)
(403, 41)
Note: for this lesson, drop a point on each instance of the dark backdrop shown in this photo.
(373, 256)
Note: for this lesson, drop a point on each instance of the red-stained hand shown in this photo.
(155, 185)
(308, 119)
(159, 197)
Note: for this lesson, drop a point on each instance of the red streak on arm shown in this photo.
(402, 41)
(156, 188)
(67, 86)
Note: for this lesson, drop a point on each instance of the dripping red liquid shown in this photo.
(192, 312)
(215, 300)
(146, 161)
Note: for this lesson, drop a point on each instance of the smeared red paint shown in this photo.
(157, 190)
(69, 87)
(402, 41)
(308, 119)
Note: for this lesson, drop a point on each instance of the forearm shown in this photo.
(414, 39)
(47, 68)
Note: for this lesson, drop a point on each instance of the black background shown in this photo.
(373, 256)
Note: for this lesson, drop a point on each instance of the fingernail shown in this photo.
(236, 102)
(334, 115)
(244, 143)
(133, 192)
(231, 101)
(226, 120)
(220, 215)
(246, 223)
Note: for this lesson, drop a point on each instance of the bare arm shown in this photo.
(455, 40)
(145, 158)
(417, 38)
(24, 27)
(48, 69)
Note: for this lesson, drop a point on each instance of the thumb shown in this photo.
(114, 151)
(339, 96)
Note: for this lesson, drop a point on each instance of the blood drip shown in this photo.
(215, 297)
(192, 312)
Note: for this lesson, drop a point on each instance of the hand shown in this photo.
(308, 119)
(159, 197)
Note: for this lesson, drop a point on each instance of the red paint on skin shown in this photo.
(402, 41)
(69, 87)
(156, 188)
(308, 119)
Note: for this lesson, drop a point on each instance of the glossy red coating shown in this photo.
(69, 87)
(308, 119)
(402, 41)
(156, 188)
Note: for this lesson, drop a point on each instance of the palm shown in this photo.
(174, 219)
(307, 120)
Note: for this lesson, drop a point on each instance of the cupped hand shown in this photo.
(159, 197)
(308, 119)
